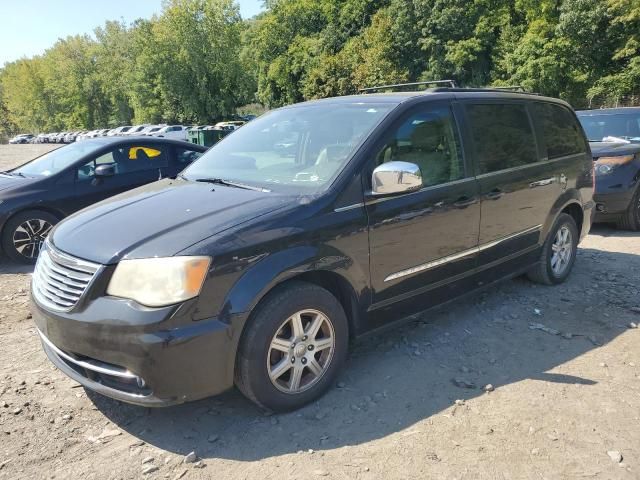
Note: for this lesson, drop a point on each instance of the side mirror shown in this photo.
(105, 170)
(396, 177)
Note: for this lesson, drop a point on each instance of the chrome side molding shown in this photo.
(459, 255)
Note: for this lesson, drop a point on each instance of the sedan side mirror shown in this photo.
(396, 177)
(105, 170)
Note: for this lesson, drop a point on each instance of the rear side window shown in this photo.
(563, 136)
(502, 136)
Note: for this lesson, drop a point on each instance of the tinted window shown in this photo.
(597, 126)
(127, 159)
(185, 156)
(429, 139)
(502, 136)
(562, 133)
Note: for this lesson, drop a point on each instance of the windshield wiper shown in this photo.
(228, 183)
(11, 174)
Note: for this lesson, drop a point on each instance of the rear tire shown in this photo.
(630, 220)
(24, 233)
(283, 362)
(558, 253)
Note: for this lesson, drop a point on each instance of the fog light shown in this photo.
(600, 207)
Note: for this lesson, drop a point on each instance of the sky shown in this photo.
(29, 27)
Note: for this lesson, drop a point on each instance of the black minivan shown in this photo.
(306, 228)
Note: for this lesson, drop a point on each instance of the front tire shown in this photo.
(631, 218)
(293, 347)
(24, 234)
(558, 253)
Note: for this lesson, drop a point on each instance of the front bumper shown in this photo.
(148, 357)
(611, 205)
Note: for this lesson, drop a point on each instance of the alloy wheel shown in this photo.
(29, 236)
(562, 248)
(301, 351)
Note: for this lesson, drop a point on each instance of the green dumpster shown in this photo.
(192, 136)
(206, 138)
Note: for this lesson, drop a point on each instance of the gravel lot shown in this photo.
(564, 363)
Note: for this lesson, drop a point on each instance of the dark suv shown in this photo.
(259, 263)
(614, 135)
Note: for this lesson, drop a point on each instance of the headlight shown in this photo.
(603, 169)
(606, 165)
(157, 282)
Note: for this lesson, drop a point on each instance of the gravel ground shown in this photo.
(563, 363)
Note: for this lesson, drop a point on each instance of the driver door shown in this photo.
(424, 239)
(135, 165)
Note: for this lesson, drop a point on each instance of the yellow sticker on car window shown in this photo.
(149, 152)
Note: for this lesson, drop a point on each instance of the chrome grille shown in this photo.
(60, 280)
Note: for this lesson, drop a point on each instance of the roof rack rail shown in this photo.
(483, 89)
(451, 83)
(514, 88)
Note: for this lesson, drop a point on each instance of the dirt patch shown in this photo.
(12, 156)
(563, 364)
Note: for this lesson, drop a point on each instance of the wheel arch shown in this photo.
(570, 203)
(52, 211)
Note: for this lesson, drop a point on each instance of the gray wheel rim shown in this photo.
(562, 251)
(28, 237)
(301, 351)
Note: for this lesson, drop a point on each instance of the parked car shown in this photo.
(35, 196)
(151, 129)
(119, 131)
(234, 125)
(83, 135)
(177, 132)
(136, 130)
(614, 134)
(23, 138)
(70, 137)
(257, 269)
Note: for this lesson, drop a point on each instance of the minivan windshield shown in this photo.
(297, 150)
(58, 159)
(621, 125)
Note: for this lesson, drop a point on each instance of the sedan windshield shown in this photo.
(621, 125)
(298, 150)
(58, 159)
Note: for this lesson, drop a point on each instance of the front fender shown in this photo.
(284, 265)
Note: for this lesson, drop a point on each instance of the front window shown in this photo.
(429, 139)
(297, 150)
(59, 159)
(126, 159)
(620, 125)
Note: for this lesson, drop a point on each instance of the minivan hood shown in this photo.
(159, 220)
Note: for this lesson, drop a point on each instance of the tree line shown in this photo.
(199, 61)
